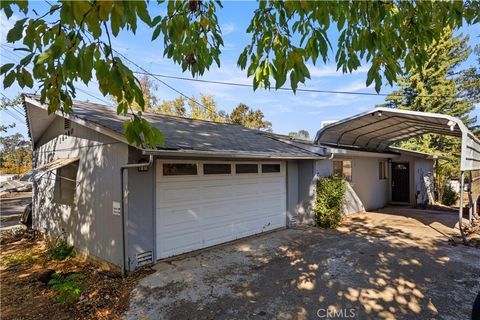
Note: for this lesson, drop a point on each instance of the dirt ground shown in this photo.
(393, 264)
(23, 260)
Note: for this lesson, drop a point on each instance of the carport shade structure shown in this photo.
(379, 128)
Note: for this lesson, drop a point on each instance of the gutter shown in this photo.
(226, 154)
(122, 207)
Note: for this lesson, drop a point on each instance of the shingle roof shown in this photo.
(189, 134)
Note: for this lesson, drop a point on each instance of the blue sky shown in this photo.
(287, 111)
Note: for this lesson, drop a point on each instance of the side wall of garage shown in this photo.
(140, 211)
(87, 219)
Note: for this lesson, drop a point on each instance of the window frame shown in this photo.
(216, 163)
(270, 163)
(63, 181)
(257, 164)
(200, 168)
(383, 170)
(342, 175)
(177, 163)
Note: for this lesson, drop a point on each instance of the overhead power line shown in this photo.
(237, 84)
(161, 81)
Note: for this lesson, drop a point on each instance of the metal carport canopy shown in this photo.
(381, 127)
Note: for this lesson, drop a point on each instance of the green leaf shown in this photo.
(27, 78)
(16, 32)
(6, 67)
(9, 79)
(42, 57)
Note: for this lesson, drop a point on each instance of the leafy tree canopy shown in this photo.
(72, 42)
(301, 134)
(15, 154)
(249, 118)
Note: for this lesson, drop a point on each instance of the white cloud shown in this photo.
(330, 70)
(228, 28)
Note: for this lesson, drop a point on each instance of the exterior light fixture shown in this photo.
(379, 113)
(143, 168)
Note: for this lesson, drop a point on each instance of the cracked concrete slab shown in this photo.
(395, 264)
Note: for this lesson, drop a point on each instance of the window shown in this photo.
(382, 170)
(65, 184)
(270, 168)
(343, 169)
(217, 168)
(179, 169)
(246, 168)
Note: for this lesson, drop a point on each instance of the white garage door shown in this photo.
(201, 204)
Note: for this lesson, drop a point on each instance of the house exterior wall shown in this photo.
(419, 167)
(292, 192)
(366, 183)
(89, 224)
(306, 191)
(140, 211)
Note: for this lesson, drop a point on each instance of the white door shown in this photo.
(201, 204)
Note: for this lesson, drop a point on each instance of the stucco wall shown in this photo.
(365, 181)
(89, 223)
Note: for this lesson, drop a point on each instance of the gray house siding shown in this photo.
(140, 211)
(292, 191)
(300, 190)
(89, 223)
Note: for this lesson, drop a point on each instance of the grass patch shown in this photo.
(16, 259)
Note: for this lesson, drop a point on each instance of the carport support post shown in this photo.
(460, 210)
(470, 200)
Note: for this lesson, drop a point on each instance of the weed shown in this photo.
(67, 288)
(59, 249)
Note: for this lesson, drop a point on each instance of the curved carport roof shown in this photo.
(381, 127)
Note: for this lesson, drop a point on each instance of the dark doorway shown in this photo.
(400, 182)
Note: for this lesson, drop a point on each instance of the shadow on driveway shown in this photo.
(379, 265)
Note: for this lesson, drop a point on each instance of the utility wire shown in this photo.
(161, 81)
(236, 84)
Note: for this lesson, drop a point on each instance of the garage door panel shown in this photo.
(181, 243)
(173, 193)
(194, 212)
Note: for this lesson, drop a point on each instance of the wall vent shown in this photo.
(144, 258)
(67, 124)
(292, 221)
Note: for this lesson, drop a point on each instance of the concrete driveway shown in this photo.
(392, 264)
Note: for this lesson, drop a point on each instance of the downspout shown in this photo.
(122, 207)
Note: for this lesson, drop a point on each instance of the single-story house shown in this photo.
(209, 184)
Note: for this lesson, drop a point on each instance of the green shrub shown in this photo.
(329, 202)
(449, 196)
(67, 288)
(59, 249)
